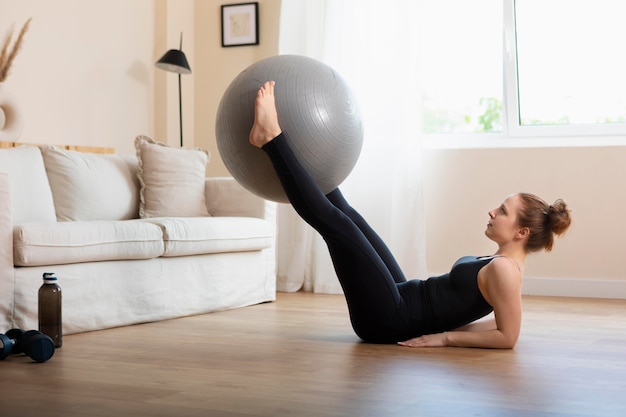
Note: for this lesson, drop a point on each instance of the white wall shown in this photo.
(85, 72)
(462, 185)
(86, 75)
(216, 67)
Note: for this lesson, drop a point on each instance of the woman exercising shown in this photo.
(384, 306)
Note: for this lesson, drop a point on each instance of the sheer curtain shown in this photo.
(374, 46)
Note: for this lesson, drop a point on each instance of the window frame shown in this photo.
(515, 135)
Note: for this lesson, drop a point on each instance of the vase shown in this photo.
(10, 116)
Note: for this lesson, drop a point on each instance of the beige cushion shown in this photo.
(171, 180)
(73, 242)
(88, 186)
(226, 197)
(31, 198)
(200, 235)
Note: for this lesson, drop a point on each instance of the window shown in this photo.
(461, 64)
(571, 65)
(524, 68)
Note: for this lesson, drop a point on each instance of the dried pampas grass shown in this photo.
(6, 56)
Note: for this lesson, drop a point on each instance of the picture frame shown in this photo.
(240, 24)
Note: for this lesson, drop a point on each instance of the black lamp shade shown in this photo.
(174, 60)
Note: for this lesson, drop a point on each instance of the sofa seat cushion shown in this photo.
(185, 236)
(36, 244)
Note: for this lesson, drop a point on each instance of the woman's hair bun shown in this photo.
(559, 217)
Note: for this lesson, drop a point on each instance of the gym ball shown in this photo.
(316, 110)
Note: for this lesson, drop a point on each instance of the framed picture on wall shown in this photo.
(240, 24)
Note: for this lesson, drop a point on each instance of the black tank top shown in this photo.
(454, 299)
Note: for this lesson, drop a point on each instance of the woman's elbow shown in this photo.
(509, 341)
(508, 345)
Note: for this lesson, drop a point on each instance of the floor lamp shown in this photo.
(174, 60)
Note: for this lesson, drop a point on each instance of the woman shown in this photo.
(386, 308)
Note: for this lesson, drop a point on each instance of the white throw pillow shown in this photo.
(171, 180)
(31, 198)
(88, 186)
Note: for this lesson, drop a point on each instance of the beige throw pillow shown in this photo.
(171, 180)
(88, 186)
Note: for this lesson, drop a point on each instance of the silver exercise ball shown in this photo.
(316, 110)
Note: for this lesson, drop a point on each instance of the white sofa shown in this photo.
(126, 251)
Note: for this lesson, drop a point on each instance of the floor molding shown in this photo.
(574, 287)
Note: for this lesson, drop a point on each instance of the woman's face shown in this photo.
(503, 226)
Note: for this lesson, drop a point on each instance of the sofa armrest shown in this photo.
(7, 274)
(226, 197)
(6, 222)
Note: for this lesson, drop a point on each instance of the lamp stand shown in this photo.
(180, 110)
(174, 60)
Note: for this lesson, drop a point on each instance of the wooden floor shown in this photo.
(299, 357)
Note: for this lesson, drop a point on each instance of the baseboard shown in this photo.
(565, 287)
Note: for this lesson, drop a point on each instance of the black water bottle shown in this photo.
(50, 322)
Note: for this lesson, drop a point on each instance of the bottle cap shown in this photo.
(49, 277)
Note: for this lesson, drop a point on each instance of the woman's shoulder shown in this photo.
(489, 265)
(504, 263)
(502, 270)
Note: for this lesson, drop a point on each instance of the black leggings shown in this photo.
(369, 275)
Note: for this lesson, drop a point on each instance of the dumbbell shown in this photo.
(33, 343)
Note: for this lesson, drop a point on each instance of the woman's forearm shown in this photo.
(492, 338)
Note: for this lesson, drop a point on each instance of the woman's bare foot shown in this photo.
(266, 125)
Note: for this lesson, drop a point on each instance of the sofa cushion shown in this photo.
(200, 235)
(73, 242)
(87, 186)
(171, 180)
(31, 198)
